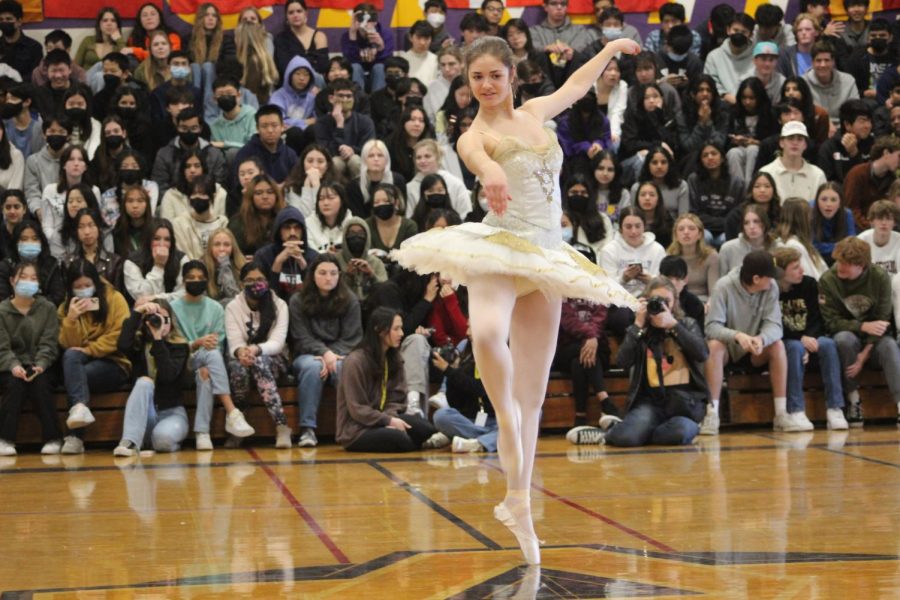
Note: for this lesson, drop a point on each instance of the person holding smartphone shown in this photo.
(28, 330)
(90, 322)
(366, 47)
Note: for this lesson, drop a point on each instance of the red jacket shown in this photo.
(581, 320)
(448, 321)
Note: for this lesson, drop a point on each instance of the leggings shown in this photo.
(384, 439)
(265, 372)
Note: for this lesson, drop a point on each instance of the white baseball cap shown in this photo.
(794, 128)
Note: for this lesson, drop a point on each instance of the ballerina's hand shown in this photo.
(496, 190)
(625, 46)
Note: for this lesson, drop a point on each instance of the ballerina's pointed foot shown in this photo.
(528, 541)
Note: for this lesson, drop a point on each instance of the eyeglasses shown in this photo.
(344, 96)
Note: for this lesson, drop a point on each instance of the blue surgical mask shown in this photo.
(567, 234)
(29, 250)
(180, 72)
(27, 289)
(676, 57)
(612, 33)
(87, 292)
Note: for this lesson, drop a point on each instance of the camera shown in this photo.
(448, 352)
(656, 305)
(155, 321)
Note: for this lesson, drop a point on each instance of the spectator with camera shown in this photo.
(154, 411)
(743, 327)
(367, 46)
(668, 394)
(361, 271)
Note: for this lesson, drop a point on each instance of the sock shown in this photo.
(713, 406)
(780, 405)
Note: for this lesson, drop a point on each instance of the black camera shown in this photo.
(155, 321)
(448, 352)
(656, 305)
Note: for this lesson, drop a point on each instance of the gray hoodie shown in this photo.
(733, 310)
(831, 96)
(728, 68)
(41, 170)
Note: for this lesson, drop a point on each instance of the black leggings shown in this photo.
(384, 439)
(567, 360)
(15, 391)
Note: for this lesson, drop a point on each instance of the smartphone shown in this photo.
(639, 266)
(29, 372)
(93, 304)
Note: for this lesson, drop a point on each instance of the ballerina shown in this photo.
(514, 263)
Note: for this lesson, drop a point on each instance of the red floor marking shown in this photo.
(310, 521)
(632, 532)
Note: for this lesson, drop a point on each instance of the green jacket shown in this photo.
(30, 339)
(846, 305)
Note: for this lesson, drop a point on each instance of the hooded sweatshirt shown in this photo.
(729, 68)
(888, 256)
(290, 279)
(297, 105)
(733, 310)
(318, 334)
(617, 255)
(830, 96)
(360, 283)
(41, 170)
(28, 339)
(846, 305)
(234, 133)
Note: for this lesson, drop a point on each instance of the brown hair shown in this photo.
(883, 209)
(795, 219)
(760, 212)
(852, 251)
(784, 256)
(675, 248)
(257, 224)
(664, 282)
(200, 52)
(493, 46)
(884, 143)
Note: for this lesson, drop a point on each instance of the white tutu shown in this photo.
(471, 250)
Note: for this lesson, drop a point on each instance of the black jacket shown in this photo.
(266, 255)
(834, 160)
(464, 390)
(800, 313)
(172, 374)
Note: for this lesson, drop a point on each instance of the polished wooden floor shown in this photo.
(747, 515)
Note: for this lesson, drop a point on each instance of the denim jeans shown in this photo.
(829, 365)
(84, 374)
(631, 169)
(164, 430)
(647, 424)
(451, 422)
(715, 240)
(375, 73)
(309, 386)
(886, 354)
(216, 385)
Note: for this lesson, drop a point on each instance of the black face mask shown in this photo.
(739, 40)
(188, 138)
(130, 176)
(76, 114)
(878, 45)
(195, 288)
(227, 103)
(114, 142)
(436, 200)
(383, 211)
(56, 142)
(8, 29)
(577, 203)
(356, 244)
(111, 81)
(10, 110)
(127, 112)
(200, 205)
(391, 80)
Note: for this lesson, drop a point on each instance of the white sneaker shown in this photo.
(283, 437)
(203, 441)
(836, 419)
(802, 421)
(7, 449)
(463, 445)
(125, 449)
(237, 425)
(710, 425)
(585, 434)
(437, 441)
(438, 401)
(52, 447)
(79, 416)
(607, 421)
(72, 445)
(784, 422)
(308, 439)
(413, 405)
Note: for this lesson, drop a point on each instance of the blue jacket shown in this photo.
(276, 164)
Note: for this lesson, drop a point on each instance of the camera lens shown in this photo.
(154, 321)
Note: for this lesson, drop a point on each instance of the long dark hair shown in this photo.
(662, 222)
(5, 150)
(330, 306)
(98, 35)
(588, 220)
(807, 106)
(766, 124)
(420, 214)
(138, 35)
(79, 268)
(69, 230)
(341, 193)
(86, 126)
(265, 306)
(450, 107)
(143, 257)
(817, 221)
(585, 121)
(702, 173)
(380, 322)
(104, 163)
(122, 234)
(181, 182)
(522, 26)
(690, 103)
(397, 143)
(28, 223)
(672, 178)
(62, 181)
(297, 175)
(615, 186)
(773, 212)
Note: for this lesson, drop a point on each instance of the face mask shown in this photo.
(195, 288)
(8, 29)
(27, 289)
(29, 250)
(612, 33)
(347, 104)
(111, 81)
(227, 103)
(76, 114)
(200, 205)
(436, 200)
(127, 112)
(188, 138)
(391, 80)
(56, 142)
(114, 142)
(577, 203)
(676, 57)
(256, 291)
(10, 110)
(383, 212)
(567, 234)
(87, 292)
(356, 244)
(435, 19)
(130, 176)
(878, 45)
(738, 40)
(180, 72)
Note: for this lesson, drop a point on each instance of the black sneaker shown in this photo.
(586, 435)
(855, 414)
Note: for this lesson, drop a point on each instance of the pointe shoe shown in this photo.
(529, 544)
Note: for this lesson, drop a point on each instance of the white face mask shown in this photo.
(483, 203)
(435, 19)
